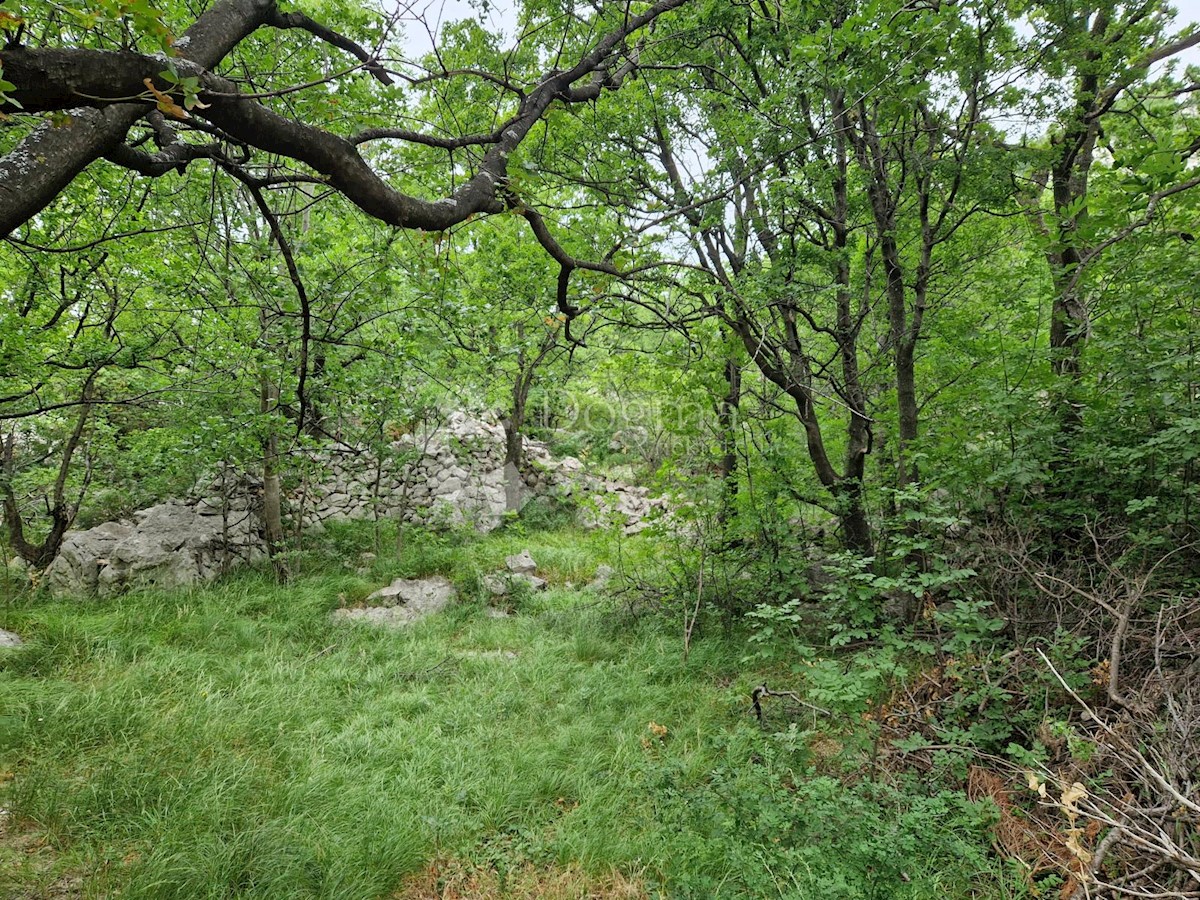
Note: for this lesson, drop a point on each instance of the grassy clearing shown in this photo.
(233, 742)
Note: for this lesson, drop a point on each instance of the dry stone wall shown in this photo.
(452, 475)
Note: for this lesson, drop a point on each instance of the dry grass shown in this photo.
(1037, 845)
(26, 853)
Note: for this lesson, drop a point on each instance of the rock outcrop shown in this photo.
(173, 544)
(522, 570)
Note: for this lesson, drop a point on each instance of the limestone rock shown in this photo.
(8, 639)
(501, 584)
(496, 585)
(402, 602)
(379, 616)
(535, 583)
(521, 564)
(170, 545)
(603, 576)
(446, 475)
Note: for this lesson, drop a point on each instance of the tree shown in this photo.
(837, 171)
(78, 340)
(1095, 52)
(104, 104)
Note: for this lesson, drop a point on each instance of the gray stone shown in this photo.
(402, 602)
(170, 545)
(501, 584)
(8, 639)
(210, 506)
(422, 595)
(603, 576)
(379, 616)
(521, 564)
(452, 475)
(535, 583)
(496, 585)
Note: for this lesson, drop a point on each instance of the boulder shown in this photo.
(76, 569)
(170, 545)
(603, 576)
(8, 639)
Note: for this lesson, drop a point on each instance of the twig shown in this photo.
(319, 654)
(1156, 776)
(762, 691)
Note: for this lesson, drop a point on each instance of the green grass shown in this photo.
(233, 742)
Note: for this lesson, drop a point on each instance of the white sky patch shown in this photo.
(426, 18)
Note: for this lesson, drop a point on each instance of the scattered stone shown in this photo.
(603, 576)
(521, 564)
(402, 602)
(8, 639)
(420, 593)
(365, 561)
(501, 584)
(380, 616)
(496, 585)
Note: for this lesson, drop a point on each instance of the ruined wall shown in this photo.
(450, 476)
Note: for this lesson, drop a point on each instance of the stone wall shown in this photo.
(451, 475)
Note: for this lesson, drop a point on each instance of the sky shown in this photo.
(440, 12)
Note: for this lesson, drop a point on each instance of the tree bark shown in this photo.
(727, 410)
(272, 485)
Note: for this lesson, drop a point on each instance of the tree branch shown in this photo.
(277, 19)
(66, 79)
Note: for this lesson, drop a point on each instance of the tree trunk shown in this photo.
(514, 443)
(727, 435)
(852, 514)
(272, 485)
(62, 512)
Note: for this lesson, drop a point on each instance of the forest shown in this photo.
(599, 449)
